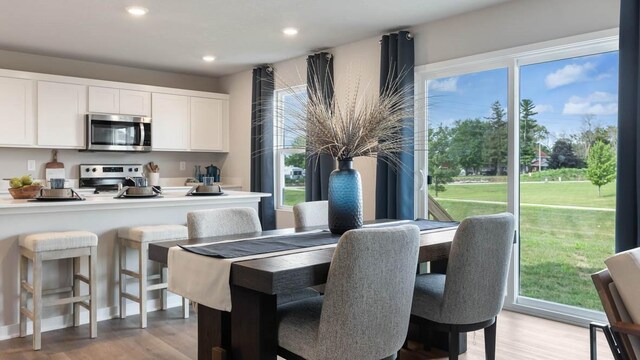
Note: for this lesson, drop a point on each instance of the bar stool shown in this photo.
(138, 238)
(55, 246)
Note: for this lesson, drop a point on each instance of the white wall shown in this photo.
(93, 70)
(14, 160)
(503, 26)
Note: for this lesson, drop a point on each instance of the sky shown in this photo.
(564, 92)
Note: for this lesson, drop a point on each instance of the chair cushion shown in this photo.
(154, 233)
(298, 324)
(52, 241)
(427, 297)
(625, 272)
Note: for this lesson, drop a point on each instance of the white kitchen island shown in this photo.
(102, 215)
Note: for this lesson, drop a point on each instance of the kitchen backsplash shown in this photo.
(14, 161)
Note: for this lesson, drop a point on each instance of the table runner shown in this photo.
(256, 246)
(205, 279)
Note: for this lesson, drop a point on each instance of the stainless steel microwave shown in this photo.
(118, 133)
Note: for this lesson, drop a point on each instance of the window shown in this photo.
(290, 146)
(467, 141)
(558, 106)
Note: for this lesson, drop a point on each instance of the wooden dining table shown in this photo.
(249, 331)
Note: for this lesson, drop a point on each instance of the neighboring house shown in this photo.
(293, 173)
(540, 162)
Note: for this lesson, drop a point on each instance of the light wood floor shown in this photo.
(169, 337)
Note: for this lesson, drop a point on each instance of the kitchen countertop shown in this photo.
(170, 197)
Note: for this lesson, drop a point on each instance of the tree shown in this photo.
(441, 161)
(467, 142)
(297, 159)
(496, 143)
(562, 155)
(530, 133)
(601, 164)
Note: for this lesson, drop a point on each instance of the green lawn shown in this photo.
(551, 193)
(293, 196)
(559, 248)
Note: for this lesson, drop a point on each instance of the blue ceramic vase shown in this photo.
(345, 198)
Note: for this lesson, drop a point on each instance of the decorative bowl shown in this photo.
(56, 193)
(140, 190)
(25, 192)
(209, 189)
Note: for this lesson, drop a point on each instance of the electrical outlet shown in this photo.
(183, 166)
(31, 165)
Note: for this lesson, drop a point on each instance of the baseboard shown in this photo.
(66, 320)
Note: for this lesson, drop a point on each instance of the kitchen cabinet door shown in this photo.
(135, 103)
(17, 119)
(104, 100)
(61, 115)
(170, 124)
(208, 126)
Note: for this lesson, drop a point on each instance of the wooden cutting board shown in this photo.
(54, 164)
(54, 169)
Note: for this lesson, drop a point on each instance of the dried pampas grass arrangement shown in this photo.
(361, 125)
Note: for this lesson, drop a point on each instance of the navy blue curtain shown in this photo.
(318, 168)
(262, 176)
(394, 185)
(628, 184)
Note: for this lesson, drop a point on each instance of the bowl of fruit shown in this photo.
(24, 187)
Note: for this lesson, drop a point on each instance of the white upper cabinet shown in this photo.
(104, 100)
(135, 102)
(61, 114)
(170, 122)
(119, 101)
(209, 125)
(17, 118)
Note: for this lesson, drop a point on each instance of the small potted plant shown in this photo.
(24, 187)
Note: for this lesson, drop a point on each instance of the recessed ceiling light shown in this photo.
(290, 31)
(137, 10)
(209, 58)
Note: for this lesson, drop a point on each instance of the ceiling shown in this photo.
(176, 34)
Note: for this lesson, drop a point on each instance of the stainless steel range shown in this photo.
(107, 177)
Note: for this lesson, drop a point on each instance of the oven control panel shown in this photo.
(111, 171)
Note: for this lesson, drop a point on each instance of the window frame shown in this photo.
(512, 59)
(279, 150)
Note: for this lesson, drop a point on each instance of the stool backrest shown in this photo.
(221, 222)
(367, 304)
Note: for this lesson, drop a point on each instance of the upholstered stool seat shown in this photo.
(58, 240)
(41, 247)
(138, 238)
(153, 233)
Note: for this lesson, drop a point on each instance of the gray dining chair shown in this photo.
(235, 221)
(364, 314)
(471, 294)
(311, 213)
(221, 222)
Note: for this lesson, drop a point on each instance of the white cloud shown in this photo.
(597, 103)
(445, 85)
(542, 108)
(569, 74)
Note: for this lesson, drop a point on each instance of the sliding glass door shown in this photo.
(533, 133)
(568, 132)
(468, 143)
